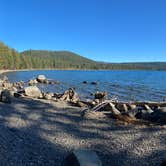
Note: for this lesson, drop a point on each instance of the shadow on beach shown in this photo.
(39, 133)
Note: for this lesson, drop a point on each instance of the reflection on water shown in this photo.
(127, 85)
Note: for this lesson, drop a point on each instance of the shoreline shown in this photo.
(68, 69)
(2, 72)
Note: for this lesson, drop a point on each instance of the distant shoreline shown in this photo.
(17, 70)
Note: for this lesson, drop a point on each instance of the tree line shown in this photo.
(44, 59)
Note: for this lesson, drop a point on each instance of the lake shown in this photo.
(125, 85)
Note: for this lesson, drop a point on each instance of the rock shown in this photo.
(159, 116)
(32, 82)
(91, 94)
(47, 96)
(101, 96)
(13, 90)
(132, 113)
(144, 114)
(70, 95)
(5, 79)
(32, 91)
(41, 78)
(53, 82)
(84, 82)
(7, 85)
(5, 96)
(94, 83)
(82, 158)
(122, 107)
(20, 83)
(46, 81)
(97, 101)
(93, 103)
(51, 94)
(17, 95)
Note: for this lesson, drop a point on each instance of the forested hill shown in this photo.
(43, 59)
(10, 58)
(58, 59)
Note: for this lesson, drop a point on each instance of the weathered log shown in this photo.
(105, 106)
(140, 103)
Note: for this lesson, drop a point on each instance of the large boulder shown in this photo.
(41, 79)
(33, 91)
(5, 96)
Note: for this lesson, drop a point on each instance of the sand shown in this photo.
(42, 132)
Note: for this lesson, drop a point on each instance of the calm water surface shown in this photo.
(125, 85)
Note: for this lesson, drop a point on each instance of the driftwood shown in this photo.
(125, 119)
(100, 106)
(143, 115)
(105, 106)
(141, 103)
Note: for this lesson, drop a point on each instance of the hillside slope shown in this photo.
(43, 59)
(10, 58)
(58, 59)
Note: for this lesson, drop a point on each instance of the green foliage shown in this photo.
(57, 59)
(42, 59)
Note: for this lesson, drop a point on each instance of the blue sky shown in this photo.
(103, 30)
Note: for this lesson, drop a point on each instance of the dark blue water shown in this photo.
(126, 85)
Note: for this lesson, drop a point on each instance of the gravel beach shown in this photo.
(41, 132)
